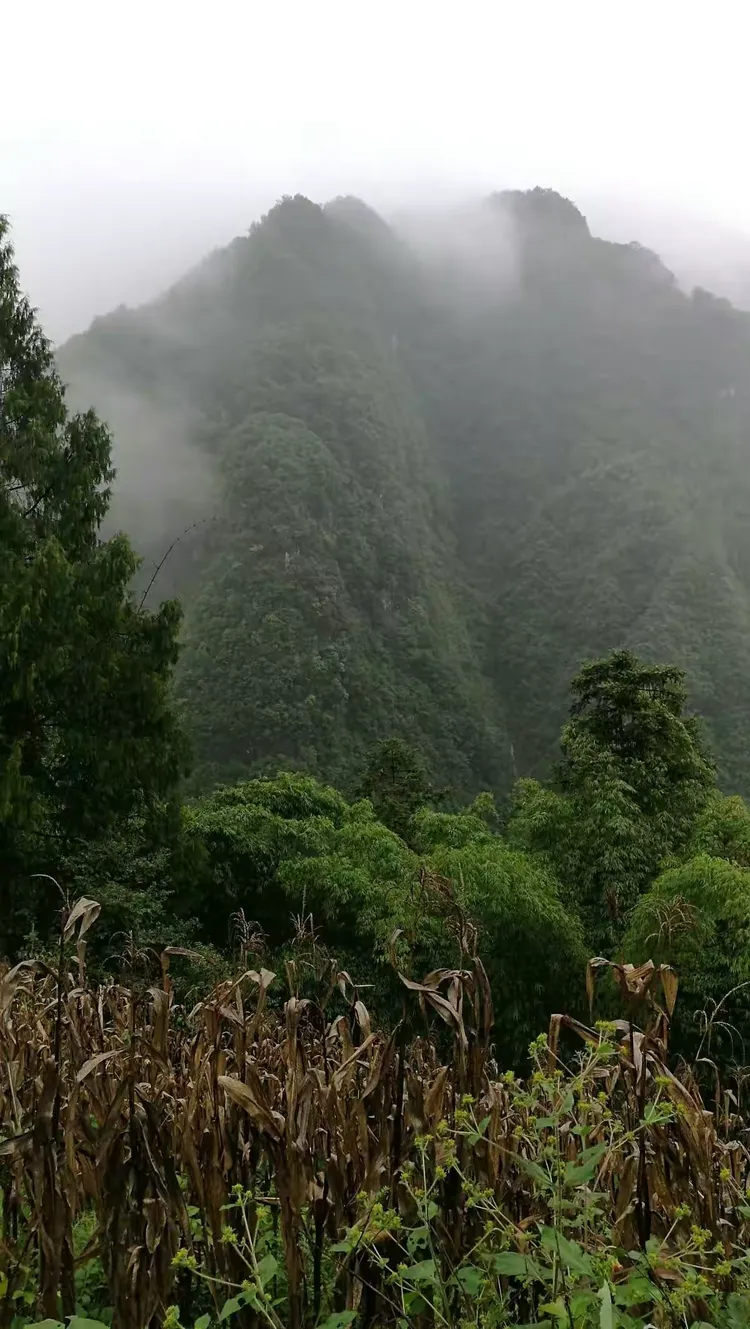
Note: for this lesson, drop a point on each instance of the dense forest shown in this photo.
(298, 864)
(432, 470)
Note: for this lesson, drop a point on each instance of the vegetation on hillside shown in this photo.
(326, 608)
(269, 1049)
(439, 475)
(630, 831)
(88, 732)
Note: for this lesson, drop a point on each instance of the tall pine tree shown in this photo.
(87, 727)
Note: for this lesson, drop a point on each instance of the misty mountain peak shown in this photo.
(292, 214)
(348, 208)
(432, 468)
(541, 208)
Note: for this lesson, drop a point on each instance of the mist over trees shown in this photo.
(88, 731)
(440, 466)
(424, 477)
(419, 480)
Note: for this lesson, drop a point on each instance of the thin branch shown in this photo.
(164, 558)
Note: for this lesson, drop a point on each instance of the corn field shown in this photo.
(262, 1148)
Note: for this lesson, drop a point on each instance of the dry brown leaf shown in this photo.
(99, 1059)
(670, 983)
(84, 914)
(254, 1104)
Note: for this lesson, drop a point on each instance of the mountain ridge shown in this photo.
(439, 476)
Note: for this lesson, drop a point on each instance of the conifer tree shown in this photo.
(87, 726)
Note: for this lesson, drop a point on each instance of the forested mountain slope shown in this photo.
(439, 474)
(326, 606)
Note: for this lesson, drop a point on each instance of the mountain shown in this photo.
(700, 250)
(441, 465)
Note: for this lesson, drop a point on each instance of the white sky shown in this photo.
(134, 136)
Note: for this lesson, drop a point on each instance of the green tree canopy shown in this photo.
(87, 727)
(288, 847)
(438, 485)
(395, 781)
(722, 829)
(696, 917)
(530, 943)
(633, 779)
(632, 714)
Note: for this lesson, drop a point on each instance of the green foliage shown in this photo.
(633, 779)
(238, 837)
(87, 726)
(592, 421)
(448, 1246)
(531, 945)
(395, 781)
(360, 888)
(329, 609)
(440, 484)
(632, 714)
(696, 917)
(723, 829)
(290, 848)
(453, 830)
(381, 449)
(432, 500)
(574, 1269)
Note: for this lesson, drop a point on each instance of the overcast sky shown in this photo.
(134, 136)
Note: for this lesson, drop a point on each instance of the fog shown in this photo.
(470, 238)
(164, 482)
(136, 137)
